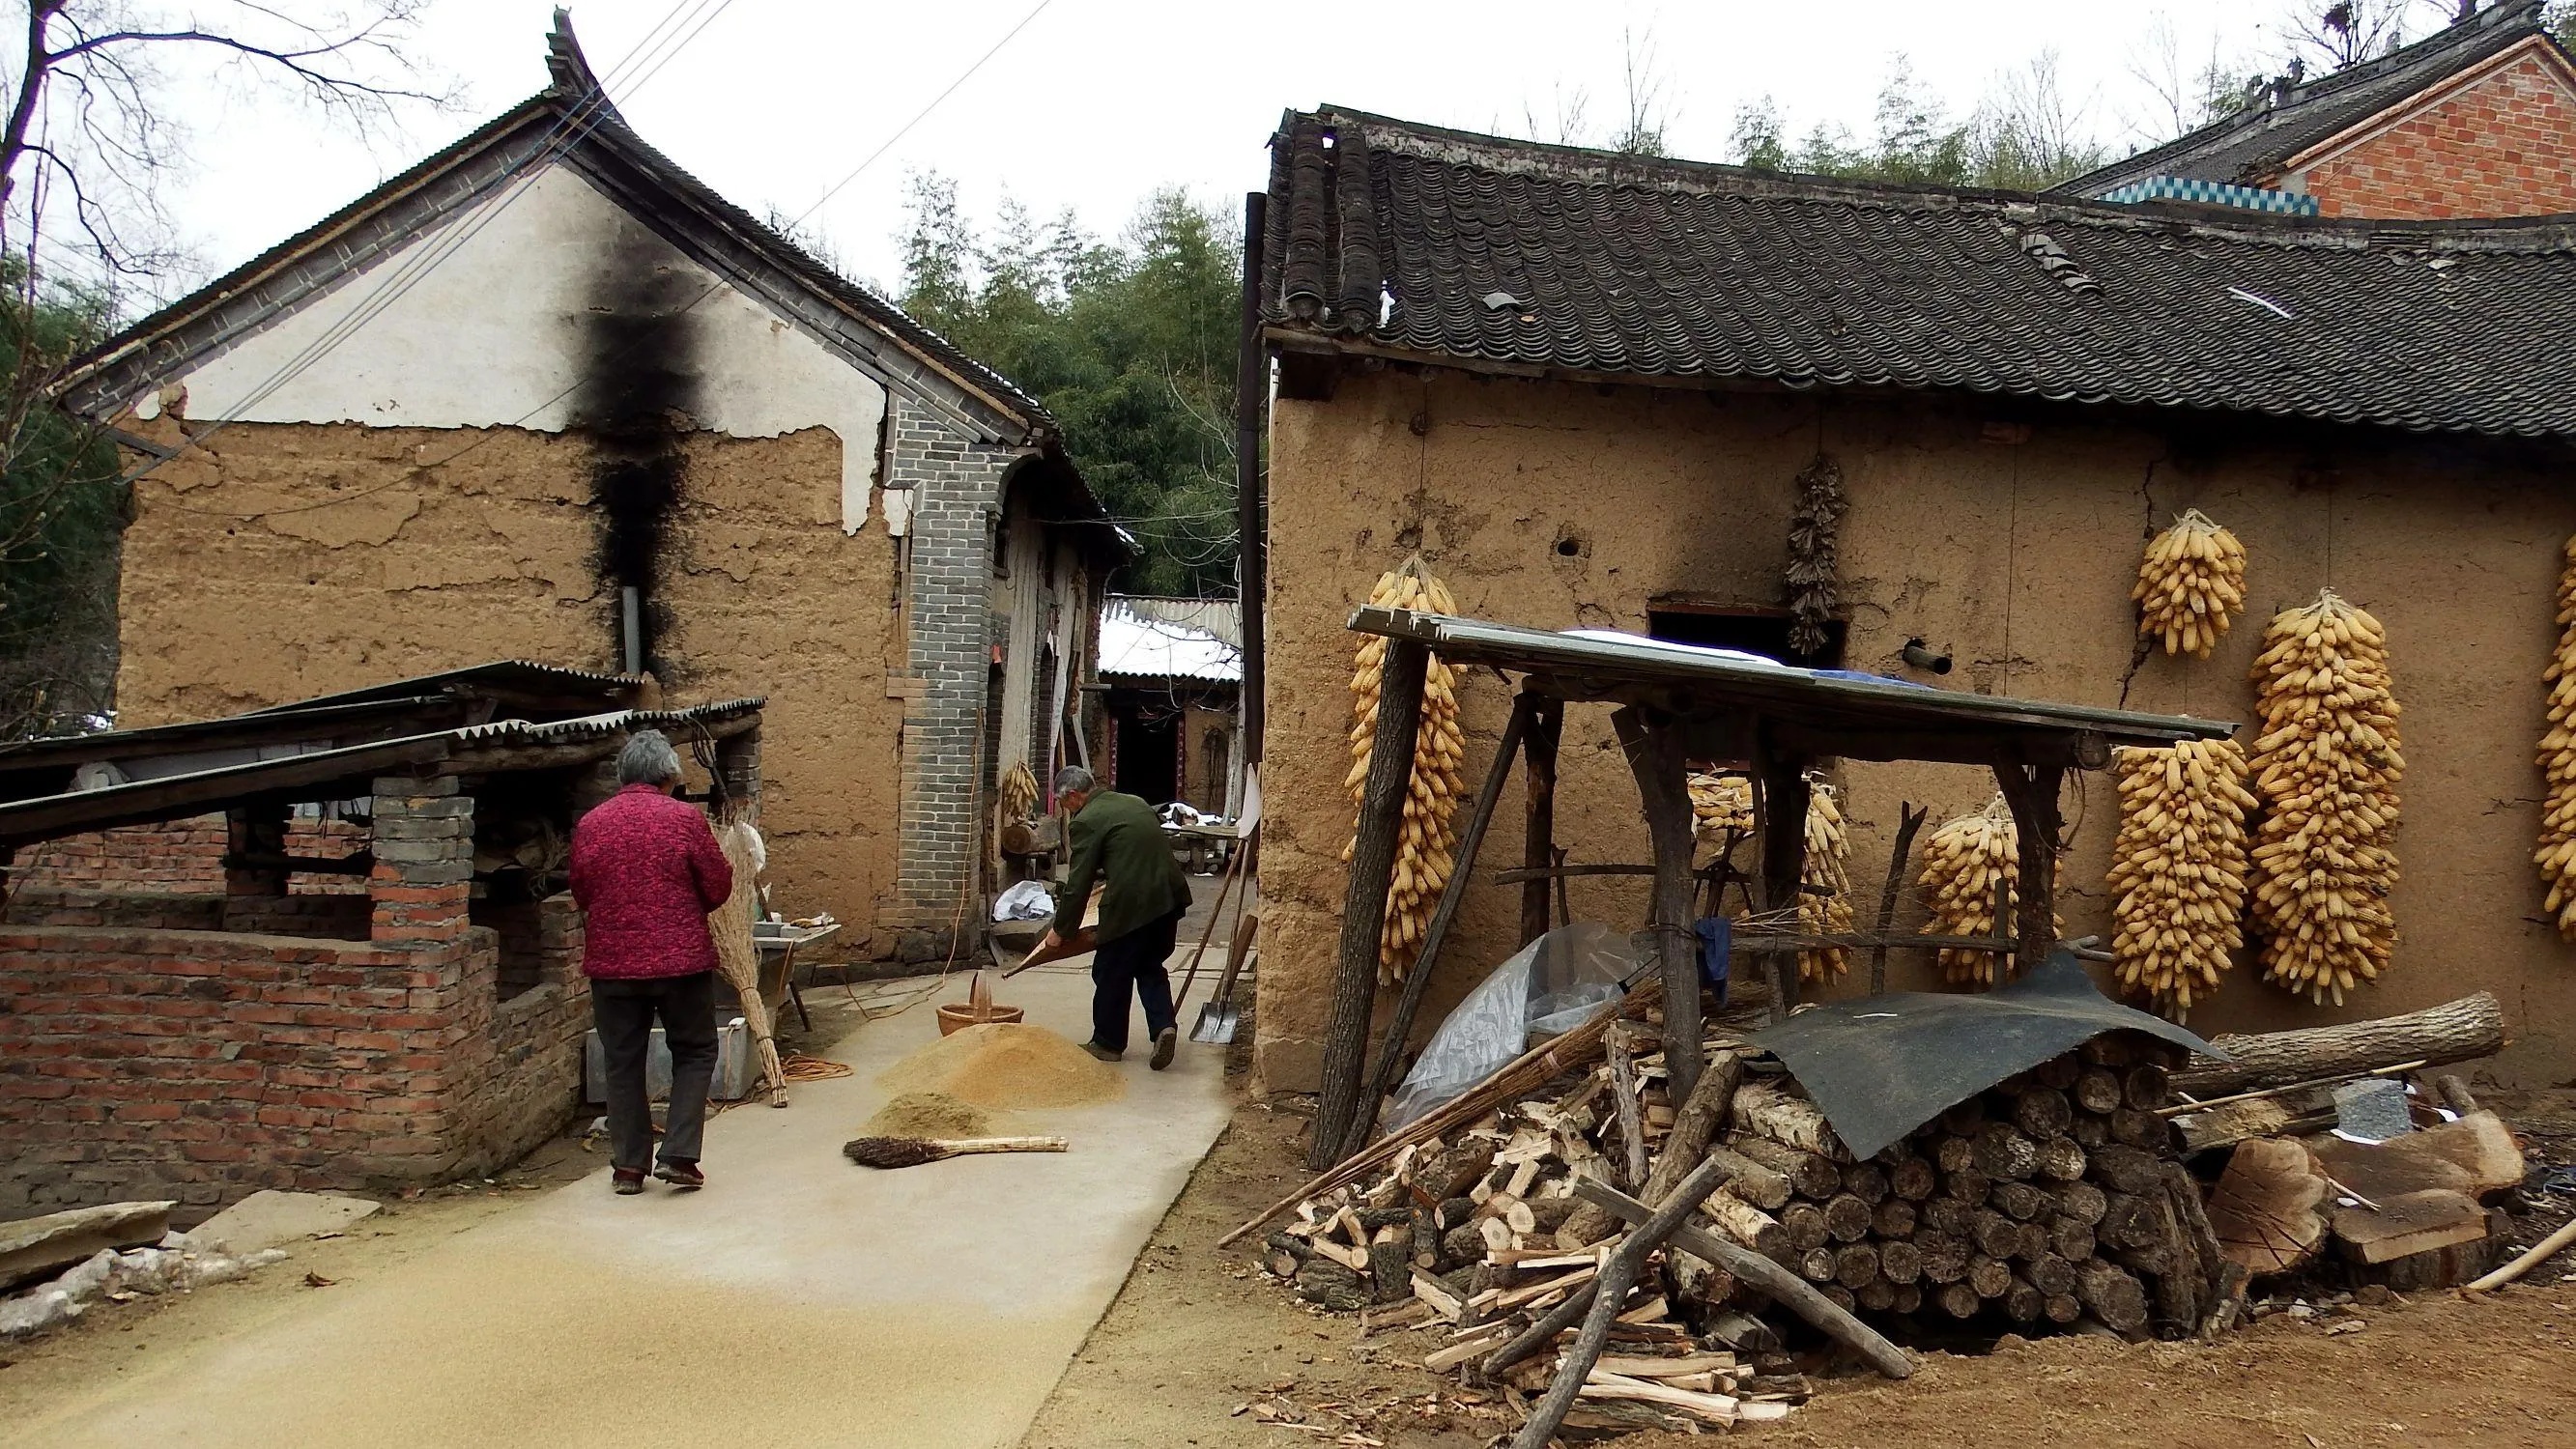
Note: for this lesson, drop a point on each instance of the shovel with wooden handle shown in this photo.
(1217, 1019)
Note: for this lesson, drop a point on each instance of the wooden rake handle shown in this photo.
(963, 1146)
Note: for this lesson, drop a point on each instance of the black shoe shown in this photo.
(1166, 1042)
(1102, 1052)
(681, 1174)
(628, 1181)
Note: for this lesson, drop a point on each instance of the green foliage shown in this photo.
(61, 509)
(1130, 344)
(2023, 137)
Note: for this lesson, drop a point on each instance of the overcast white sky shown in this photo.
(1098, 102)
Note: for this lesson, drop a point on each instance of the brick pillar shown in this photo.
(424, 845)
(738, 760)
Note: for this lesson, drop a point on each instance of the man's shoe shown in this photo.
(1166, 1042)
(1102, 1052)
(628, 1181)
(681, 1174)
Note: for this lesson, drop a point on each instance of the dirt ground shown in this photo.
(1199, 1348)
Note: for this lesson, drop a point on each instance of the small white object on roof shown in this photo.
(1137, 647)
(1698, 651)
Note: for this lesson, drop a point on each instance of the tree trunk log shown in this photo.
(1810, 1176)
(1847, 1218)
(1866, 1181)
(2061, 1159)
(1900, 1262)
(1767, 1188)
(1893, 1219)
(2098, 1091)
(1662, 774)
(1856, 1267)
(2042, 1113)
(1913, 1179)
(2456, 1031)
(2005, 1154)
(1959, 1300)
(2112, 1295)
(1804, 1222)
(1944, 1256)
(1989, 1276)
(1747, 1224)
(1769, 1111)
(1538, 793)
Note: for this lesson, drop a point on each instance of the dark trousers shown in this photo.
(624, 1012)
(1133, 962)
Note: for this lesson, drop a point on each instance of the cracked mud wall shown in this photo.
(2010, 541)
(239, 592)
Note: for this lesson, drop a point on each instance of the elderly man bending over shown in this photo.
(1116, 840)
(647, 869)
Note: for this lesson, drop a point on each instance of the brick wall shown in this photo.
(2504, 146)
(957, 490)
(147, 1061)
(340, 917)
(183, 854)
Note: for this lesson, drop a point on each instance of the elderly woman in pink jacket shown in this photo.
(646, 869)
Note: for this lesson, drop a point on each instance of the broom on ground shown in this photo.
(914, 1151)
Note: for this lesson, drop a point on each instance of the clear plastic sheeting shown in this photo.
(1553, 985)
(1028, 900)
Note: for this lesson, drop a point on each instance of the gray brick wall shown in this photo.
(956, 492)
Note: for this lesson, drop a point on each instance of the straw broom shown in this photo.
(736, 956)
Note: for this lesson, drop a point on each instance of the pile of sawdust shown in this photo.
(1005, 1065)
(934, 1115)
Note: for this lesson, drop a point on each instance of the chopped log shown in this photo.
(2021, 1201)
(1804, 1222)
(1455, 1210)
(1464, 1243)
(2089, 1131)
(1331, 1286)
(2042, 1112)
(1968, 1185)
(1744, 1333)
(1913, 1179)
(2289, 1114)
(1623, 1089)
(1958, 1300)
(2126, 1222)
(2198, 1239)
(2050, 1274)
(1847, 1218)
(1694, 1124)
(1989, 1276)
(1442, 1299)
(1746, 1224)
(1945, 1215)
(2455, 1031)
(1945, 1256)
(1470, 1344)
(1390, 1259)
(1426, 1240)
(1770, 1111)
(2004, 1153)
(2454, 1094)
(1995, 1235)
(1839, 1296)
(1866, 1181)
(2475, 1155)
(2062, 1308)
(1893, 1220)
(2113, 1049)
(1810, 1175)
(2098, 1091)
(2411, 1222)
(2062, 1159)
(1955, 1154)
(2058, 1072)
(1964, 1118)
(1816, 1265)
(2127, 1169)
(2022, 1302)
(2112, 1296)
(1877, 1295)
(2136, 1128)
(1767, 1188)
(2147, 1087)
(1283, 1254)
(2071, 1238)
(1900, 1262)
(1451, 1171)
(1909, 1298)
(1856, 1267)
(2081, 1200)
(2034, 1243)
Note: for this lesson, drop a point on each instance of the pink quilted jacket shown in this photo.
(647, 869)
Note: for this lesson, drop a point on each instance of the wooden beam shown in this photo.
(1908, 821)
(1780, 809)
(2031, 792)
(1435, 935)
(1662, 772)
(1538, 790)
(147, 801)
(1372, 873)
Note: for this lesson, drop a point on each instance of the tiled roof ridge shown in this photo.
(2019, 209)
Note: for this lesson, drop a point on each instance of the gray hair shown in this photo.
(1074, 780)
(647, 759)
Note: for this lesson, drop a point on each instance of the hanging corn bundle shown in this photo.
(1721, 816)
(1828, 857)
(2557, 854)
(1962, 863)
(2326, 768)
(2191, 581)
(2178, 870)
(1422, 856)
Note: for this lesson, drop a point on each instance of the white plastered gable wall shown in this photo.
(493, 336)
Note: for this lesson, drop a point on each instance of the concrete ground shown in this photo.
(799, 1300)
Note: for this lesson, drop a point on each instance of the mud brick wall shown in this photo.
(2502, 146)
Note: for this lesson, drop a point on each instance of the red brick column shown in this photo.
(424, 846)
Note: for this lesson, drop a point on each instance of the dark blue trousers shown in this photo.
(1133, 962)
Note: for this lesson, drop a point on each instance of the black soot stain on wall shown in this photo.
(639, 398)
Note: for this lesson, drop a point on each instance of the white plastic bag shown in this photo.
(1026, 901)
(1553, 985)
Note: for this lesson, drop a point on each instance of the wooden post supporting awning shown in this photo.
(1673, 704)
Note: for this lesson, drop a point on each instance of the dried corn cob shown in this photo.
(2556, 856)
(2191, 580)
(1828, 856)
(2326, 767)
(2178, 870)
(1422, 856)
(1961, 864)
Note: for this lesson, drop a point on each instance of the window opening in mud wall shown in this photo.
(1755, 631)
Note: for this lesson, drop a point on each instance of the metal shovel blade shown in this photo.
(1216, 1023)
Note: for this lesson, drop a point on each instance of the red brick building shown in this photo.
(2477, 120)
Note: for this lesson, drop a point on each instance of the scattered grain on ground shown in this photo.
(1006, 1066)
(929, 1114)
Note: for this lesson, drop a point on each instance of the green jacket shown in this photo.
(1116, 838)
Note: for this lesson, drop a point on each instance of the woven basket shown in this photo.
(976, 1010)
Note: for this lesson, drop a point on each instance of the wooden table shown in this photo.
(780, 944)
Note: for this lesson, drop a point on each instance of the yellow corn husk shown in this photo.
(1828, 858)
(2190, 585)
(2326, 766)
(2556, 855)
(1423, 860)
(1961, 863)
(2178, 868)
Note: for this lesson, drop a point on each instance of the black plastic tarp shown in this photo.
(1881, 1066)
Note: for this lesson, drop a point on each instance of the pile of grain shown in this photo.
(1005, 1066)
(929, 1114)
